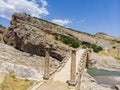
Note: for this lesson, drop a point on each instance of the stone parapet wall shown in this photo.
(81, 67)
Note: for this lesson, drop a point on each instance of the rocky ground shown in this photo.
(89, 83)
(31, 35)
(2, 76)
(23, 64)
(103, 62)
(109, 63)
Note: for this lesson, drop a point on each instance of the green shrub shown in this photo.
(96, 48)
(93, 46)
(117, 58)
(71, 42)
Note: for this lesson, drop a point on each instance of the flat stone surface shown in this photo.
(58, 81)
(108, 80)
(56, 85)
(64, 74)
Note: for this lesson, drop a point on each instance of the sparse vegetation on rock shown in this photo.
(30, 24)
(68, 40)
(93, 46)
(71, 42)
(96, 48)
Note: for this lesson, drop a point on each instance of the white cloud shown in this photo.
(44, 3)
(61, 22)
(32, 7)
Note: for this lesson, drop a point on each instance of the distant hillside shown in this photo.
(107, 37)
(31, 34)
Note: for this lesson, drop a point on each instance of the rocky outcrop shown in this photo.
(89, 83)
(2, 30)
(103, 62)
(22, 64)
(26, 34)
(107, 37)
(29, 34)
(117, 87)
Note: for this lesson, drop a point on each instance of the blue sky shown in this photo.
(89, 16)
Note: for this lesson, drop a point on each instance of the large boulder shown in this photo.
(22, 64)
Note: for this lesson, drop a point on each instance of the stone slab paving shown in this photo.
(58, 82)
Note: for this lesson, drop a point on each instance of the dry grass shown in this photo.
(103, 53)
(112, 52)
(118, 60)
(52, 38)
(13, 83)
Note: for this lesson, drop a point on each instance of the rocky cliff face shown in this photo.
(22, 64)
(30, 34)
(103, 62)
(23, 24)
(2, 30)
(26, 34)
(107, 37)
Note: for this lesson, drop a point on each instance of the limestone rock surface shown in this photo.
(22, 64)
(25, 34)
(103, 62)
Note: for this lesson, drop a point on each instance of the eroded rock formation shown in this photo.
(22, 64)
(2, 30)
(30, 34)
(25, 34)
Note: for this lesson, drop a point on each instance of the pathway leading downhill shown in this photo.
(58, 81)
(64, 74)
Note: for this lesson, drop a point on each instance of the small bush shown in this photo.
(71, 42)
(96, 48)
(93, 46)
(27, 80)
(13, 76)
(67, 40)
